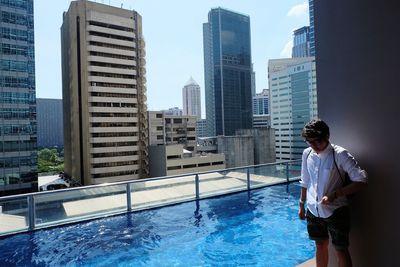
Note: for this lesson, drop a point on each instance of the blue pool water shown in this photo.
(257, 228)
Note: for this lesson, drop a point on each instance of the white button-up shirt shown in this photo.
(321, 177)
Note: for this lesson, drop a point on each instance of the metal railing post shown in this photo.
(128, 197)
(287, 172)
(31, 213)
(197, 186)
(248, 179)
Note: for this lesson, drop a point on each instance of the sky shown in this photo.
(173, 31)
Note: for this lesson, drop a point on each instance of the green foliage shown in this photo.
(49, 161)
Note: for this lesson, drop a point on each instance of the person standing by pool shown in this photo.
(329, 173)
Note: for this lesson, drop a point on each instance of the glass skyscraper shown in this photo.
(301, 42)
(18, 158)
(311, 33)
(227, 71)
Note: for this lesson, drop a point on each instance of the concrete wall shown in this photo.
(264, 144)
(238, 150)
(357, 57)
(157, 161)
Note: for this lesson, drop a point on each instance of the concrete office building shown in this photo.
(301, 42)
(227, 72)
(104, 93)
(293, 96)
(50, 129)
(18, 158)
(173, 146)
(174, 159)
(191, 99)
(167, 129)
(261, 117)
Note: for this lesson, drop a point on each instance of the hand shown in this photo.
(328, 199)
(302, 212)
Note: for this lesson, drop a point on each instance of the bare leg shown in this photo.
(344, 258)
(322, 252)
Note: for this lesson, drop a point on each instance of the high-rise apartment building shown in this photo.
(50, 130)
(301, 42)
(104, 93)
(18, 157)
(311, 33)
(191, 99)
(292, 84)
(228, 72)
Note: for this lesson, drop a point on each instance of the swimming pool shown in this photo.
(256, 228)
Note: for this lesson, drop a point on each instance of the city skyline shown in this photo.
(168, 69)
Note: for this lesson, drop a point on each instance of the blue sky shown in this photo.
(174, 41)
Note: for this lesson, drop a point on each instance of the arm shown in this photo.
(349, 189)
(302, 211)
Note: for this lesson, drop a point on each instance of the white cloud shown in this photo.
(298, 10)
(287, 50)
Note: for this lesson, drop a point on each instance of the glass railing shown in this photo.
(50, 208)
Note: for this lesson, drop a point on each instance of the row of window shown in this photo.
(111, 36)
(119, 95)
(18, 35)
(111, 65)
(113, 124)
(113, 105)
(22, 4)
(114, 164)
(110, 55)
(17, 162)
(112, 115)
(121, 47)
(115, 154)
(17, 129)
(114, 144)
(15, 114)
(110, 26)
(19, 19)
(194, 165)
(113, 85)
(111, 75)
(13, 146)
(16, 98)
(16, 65)
(123, 134)
(112, 174)
(20, 50)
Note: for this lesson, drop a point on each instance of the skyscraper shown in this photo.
(191, 99)
(312, 36)
(227, 71)
(18, 157)
(301, 42)
(293, 93)
(50, 129)
(104, 93)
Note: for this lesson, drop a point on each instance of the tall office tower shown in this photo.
(301, 42)
(293, 94)
(191, 99)
(311, 33)
(104, 94)
(18, 157)
(261, 117)
(227, 71)
(50, 130)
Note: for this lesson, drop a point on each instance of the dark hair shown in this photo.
(316, 128)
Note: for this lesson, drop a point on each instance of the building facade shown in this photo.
(175, 111)
(50, 129)
(104, 94)
(227, 72)
(201, 128)
(293, 93)
(191, 99)
(311, 32)
(167, 130)
(18, 135)
(301, 42)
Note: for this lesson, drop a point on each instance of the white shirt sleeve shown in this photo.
(349, 164)
(305, 176)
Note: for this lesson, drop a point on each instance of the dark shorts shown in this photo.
(338, 226)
